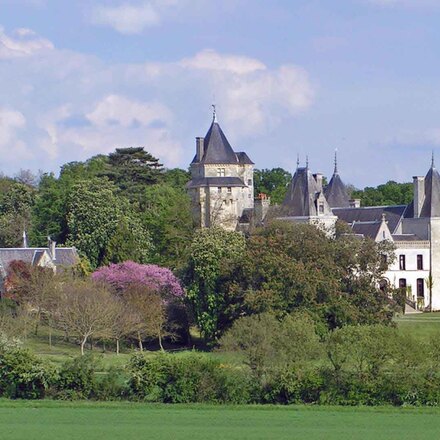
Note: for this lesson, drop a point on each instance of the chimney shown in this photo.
(51, 245)
(419, 194)
(355, 203)
(318, 178)
(199, 148)
(25, 242)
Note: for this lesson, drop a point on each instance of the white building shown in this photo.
(414, 229)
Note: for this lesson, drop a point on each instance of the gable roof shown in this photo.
(63, 256)
(367, 229)
(216, 148)
(336, 193)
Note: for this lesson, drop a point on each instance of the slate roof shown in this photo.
(301, 196)
(431, 205)
(244, 159)
(393, 214)
(367, 229)
(215, 181)
(336, 193)
(405, 237)
(64, 256)
(216, 148)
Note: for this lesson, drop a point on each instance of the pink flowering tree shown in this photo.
(123, 275)
(154, 298)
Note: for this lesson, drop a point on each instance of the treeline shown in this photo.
(274, 183)
(285, 362)
(124, 206)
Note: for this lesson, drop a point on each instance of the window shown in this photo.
(419, 262)
(402, 262)
(249, 195)
(321, 208)
(229, 190)
(249, 182)
(402, 283)
(420, 287)
(219, 189)
(221, 172)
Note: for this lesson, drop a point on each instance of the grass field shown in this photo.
(92, 421)
(421, 325)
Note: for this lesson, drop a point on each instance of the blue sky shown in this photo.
(289, 77)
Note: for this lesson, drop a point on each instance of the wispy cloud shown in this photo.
(21, 43)
(126, 18)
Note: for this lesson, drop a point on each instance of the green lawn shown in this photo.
(421, 325)
(70, 421)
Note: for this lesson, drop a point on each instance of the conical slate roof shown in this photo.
(431, 205)
(336, 193)
(302, 195)
(217, 149)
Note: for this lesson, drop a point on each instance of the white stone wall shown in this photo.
(411, 274)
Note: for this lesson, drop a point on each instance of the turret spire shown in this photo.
(336, 162)
(297, 161)
(307, 162)
(432, 160)
(214, 113)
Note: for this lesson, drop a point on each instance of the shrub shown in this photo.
(23, 375)
(187, 379)
(77, 378)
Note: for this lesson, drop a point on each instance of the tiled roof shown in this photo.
(431, 205)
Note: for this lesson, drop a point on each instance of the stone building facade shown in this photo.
(222, 182)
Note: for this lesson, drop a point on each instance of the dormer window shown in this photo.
(221, 172)
(229, 190)
(321, 208)
(219, 189)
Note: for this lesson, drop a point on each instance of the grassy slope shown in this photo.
(422, 326)
(70, 421)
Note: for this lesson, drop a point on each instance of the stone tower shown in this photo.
(222, 181)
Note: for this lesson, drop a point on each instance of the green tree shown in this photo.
(390, 193)
(16, 204)
(272, 182)
(131, 169)
(95, 217)
(211, 250)
(167, 215)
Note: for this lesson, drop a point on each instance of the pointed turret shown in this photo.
(304, 197)
(431, 203)
(336, 192)
(216, 148)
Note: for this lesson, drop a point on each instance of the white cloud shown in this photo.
(75, 105)
(22, 43)
(11, 123)
(209, 59)
(126, 18)
(115, 121)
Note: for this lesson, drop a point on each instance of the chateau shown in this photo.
(222, 193)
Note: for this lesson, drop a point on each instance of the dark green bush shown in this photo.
(187, 379)
(77, 378)
(23, 375)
